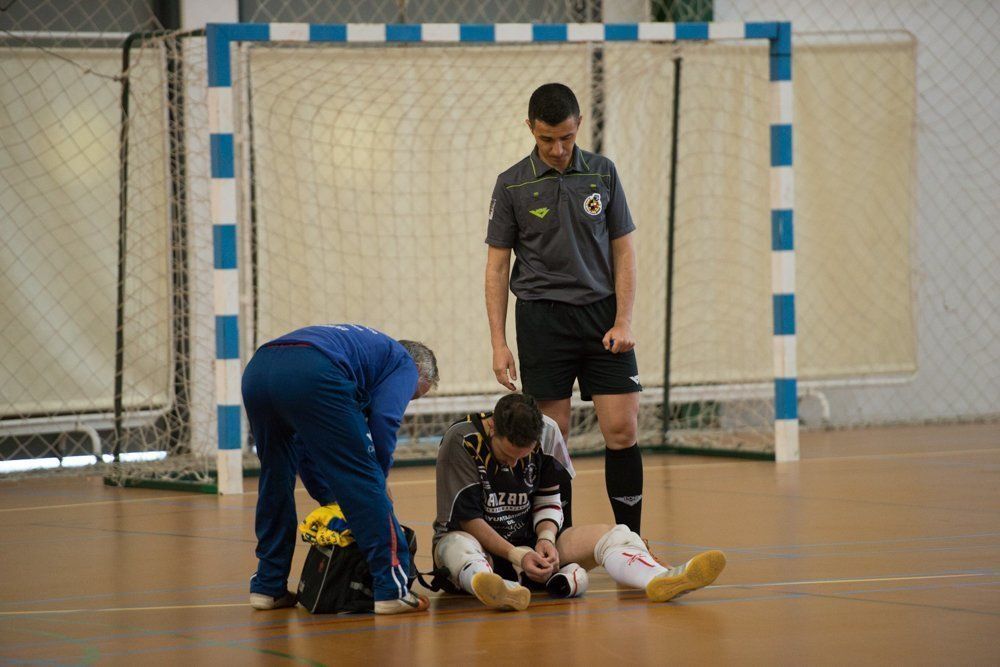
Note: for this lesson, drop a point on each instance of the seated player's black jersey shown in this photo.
(472, 484)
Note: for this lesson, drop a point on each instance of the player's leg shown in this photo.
(576, 544)
(549, 355)
(618, 416)
(558, 410)
(548, 358)
(325, 414)
(612, 381)
(576, 556)
(275, 517)
(625, 556)
(470, 569)
(317, 487)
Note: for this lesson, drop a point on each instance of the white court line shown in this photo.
(91, 611)
(596, 590)
(103, 502)
(814, 582)
(809, 582)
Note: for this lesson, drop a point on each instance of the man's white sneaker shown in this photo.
(266, 602)
(412, 602)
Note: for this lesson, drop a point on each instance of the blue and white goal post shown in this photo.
(224, 205)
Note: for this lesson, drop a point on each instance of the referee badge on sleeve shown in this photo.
(493, 207)
(592, 204)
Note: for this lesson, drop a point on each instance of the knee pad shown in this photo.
(456, 550)
(570, 581)
(618, 537)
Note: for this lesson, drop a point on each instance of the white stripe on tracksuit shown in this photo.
(399, 576)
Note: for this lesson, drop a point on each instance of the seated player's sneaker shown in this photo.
(412, 602)
(266, 602)
(497, 593)
(697, 573)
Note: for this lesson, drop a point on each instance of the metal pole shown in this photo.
(671, 214)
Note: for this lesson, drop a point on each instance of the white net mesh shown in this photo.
(938, 84)
(373, 169)
(60, 93)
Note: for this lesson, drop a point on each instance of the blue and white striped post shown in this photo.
(226, 272)
(786, 410)
(224, 202)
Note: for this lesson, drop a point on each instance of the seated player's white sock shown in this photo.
(469, 570)
(624, 555)
(632, 567)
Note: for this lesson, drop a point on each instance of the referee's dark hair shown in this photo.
(517, 418)
(552, 103)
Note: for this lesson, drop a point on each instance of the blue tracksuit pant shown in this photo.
(296, 397)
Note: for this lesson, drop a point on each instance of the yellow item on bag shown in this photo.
(326, 526)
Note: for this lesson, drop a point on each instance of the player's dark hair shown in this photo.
(552, 103)
(517, 418)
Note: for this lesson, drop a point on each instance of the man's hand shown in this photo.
(618, 339)
(504, 367)
(548, 551)
(537, 568)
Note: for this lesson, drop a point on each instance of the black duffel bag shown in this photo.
(337, 579)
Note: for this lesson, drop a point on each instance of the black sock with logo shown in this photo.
(623, 477)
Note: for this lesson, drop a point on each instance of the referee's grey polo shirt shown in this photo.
(560, 227)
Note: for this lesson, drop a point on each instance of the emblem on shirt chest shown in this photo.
(593, 205)
(530, 473)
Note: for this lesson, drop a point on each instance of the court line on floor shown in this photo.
(97, 503)
(596, 590)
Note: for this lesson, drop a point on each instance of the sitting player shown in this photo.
(498, 479)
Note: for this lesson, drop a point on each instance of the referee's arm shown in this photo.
(497, 276)
(620, 338)
(501, 235)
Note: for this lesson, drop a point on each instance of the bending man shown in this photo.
(326, 402)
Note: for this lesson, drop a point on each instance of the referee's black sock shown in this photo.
(623, 477)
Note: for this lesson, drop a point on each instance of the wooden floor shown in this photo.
(880, 547)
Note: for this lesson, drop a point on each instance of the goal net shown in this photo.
(364, 175)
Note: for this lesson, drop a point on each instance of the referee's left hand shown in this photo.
(619, 338)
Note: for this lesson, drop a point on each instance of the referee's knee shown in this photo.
(621, 434)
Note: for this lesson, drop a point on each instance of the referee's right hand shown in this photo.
(504, 367)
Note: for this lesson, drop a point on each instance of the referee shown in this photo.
(563, 212)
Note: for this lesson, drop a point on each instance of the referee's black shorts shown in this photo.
(558, 343)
